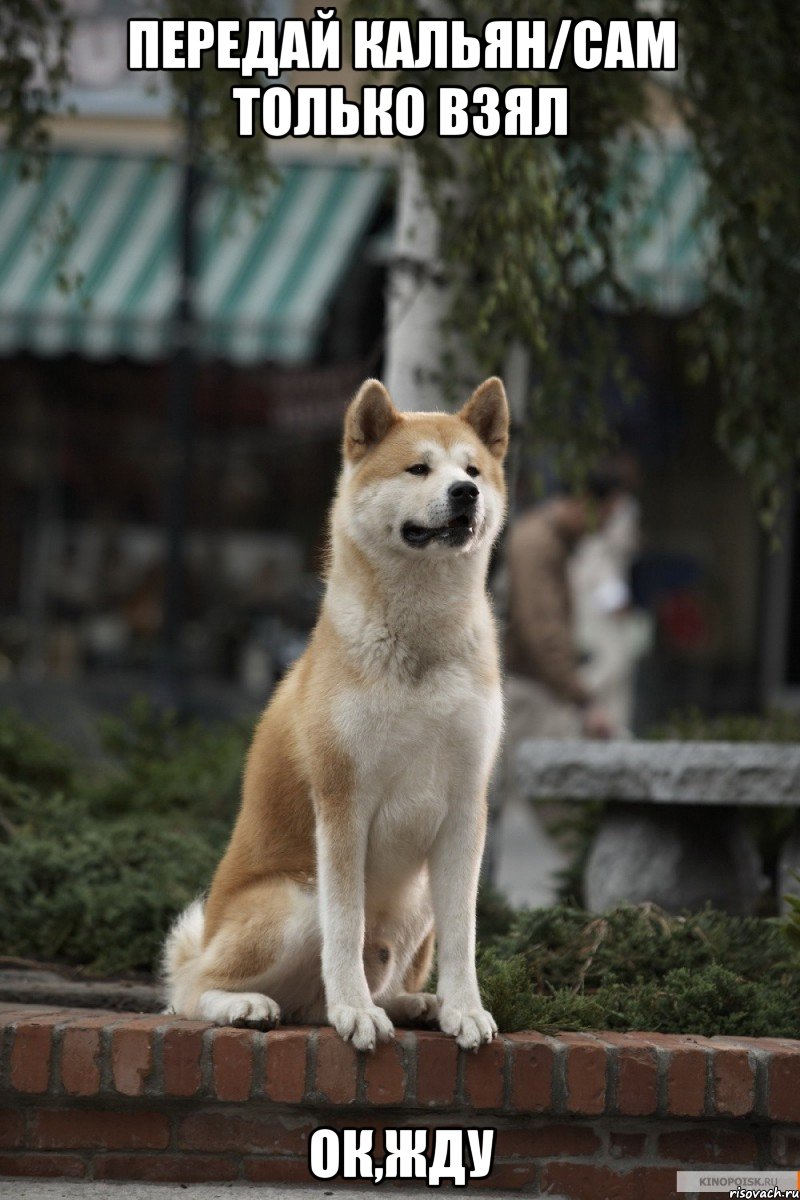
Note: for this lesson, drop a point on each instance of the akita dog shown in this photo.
(363, 814)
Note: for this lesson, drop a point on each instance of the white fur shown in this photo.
(423, 746)
(421, 727)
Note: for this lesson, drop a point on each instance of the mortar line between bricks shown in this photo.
(663, 1058)
(259, 1066)
(611, 1107)
(55, 1087)
(508, 1074)
(761, 1086)
(154, 1085)
(106, 1071)
(361, 1079)
(708, 1097)
(559, 1089)
(206, 1064)
(174, 1117)
(310, 1075)
(763, 1137)
(5, 1057)
(411, 1059)
(651, 1144)
(461, 1068)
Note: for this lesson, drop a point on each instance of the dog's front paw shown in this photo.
(361, 1026)
(468, 1025)
(248, 1009)
(413, 1006)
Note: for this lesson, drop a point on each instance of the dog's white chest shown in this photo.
(415, 750)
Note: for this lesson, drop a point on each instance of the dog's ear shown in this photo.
(487, 412)
(369, 418)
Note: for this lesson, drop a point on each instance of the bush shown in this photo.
(95, 863)
(96, 860)
(637, 968)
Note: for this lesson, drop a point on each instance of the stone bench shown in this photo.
(672, 831)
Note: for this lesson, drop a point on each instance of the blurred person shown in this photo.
(547, 695)
(611, 634)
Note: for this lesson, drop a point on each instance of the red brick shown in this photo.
(532, 1059)
(581, 1181)
(548, 1141)
(437, 1062)
(232, 1063)
(132, 1058)
(585, 1074)
(31, 1053)
(182, 1049)
(375, 1124)
(41, 1166)
(286, 1065)
(626, 1145)
(687, 1071)
(278, 1170)
(709, 1147)
(10, 1014)
(80, 1061)
(658, 1183)
(637, 1074)
(73, 1129)
(337, 1067)
(785, 1148)
(166, 1168)
(385, 1073)
(784, 1085)
(12, 1128)
(483, 1075)
(217, 1132)
(734, 1083)
(512, 1177)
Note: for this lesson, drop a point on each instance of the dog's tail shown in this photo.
(180, 959)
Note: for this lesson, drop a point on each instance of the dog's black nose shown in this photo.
(462, 494)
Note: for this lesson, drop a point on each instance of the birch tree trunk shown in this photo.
(418, 298)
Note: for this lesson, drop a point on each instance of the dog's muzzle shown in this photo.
(462, 498)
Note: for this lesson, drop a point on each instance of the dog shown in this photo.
(363, 812)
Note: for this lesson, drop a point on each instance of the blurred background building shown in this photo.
(289, 315)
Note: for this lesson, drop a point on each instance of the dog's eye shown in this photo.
(472, 471)
(419, 469)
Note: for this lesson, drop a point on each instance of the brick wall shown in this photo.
(102, 1095)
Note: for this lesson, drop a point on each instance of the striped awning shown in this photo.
(89, 257)
(662, 243)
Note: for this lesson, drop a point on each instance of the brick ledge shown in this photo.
(120, 1095)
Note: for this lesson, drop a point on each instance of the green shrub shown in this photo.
(692, 725)
(100, 894)
(160, 765)
(95, 863)
(637, 968)
(96, 860)
(30, 756)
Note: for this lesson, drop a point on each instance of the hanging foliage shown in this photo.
(741, 101)
(522, 217)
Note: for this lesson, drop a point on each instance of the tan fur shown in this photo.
(304, 772)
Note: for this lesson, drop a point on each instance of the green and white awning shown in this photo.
(88, 258)
(662, 243)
